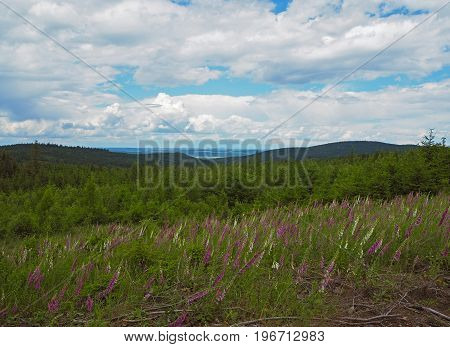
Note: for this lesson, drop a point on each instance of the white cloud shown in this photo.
(43, 88)
(398, 115)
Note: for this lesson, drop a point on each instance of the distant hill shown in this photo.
(102, 157)
(86, 156)
(332, 150)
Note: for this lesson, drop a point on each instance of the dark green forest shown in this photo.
(40, 196)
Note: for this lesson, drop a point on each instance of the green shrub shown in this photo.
(23, 224)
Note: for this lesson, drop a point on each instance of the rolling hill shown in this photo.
(101, 157)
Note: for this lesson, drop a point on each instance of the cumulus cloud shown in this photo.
(46, 93)
(398, 115)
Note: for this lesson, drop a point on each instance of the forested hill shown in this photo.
(102, 157)
(80, 155)
(332, 150)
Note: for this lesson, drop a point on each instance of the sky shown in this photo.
(223, 69)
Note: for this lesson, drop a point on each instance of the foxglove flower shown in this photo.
(207, 256)
(110, 287)
(197, 296)
(409, 231)
(89, 304)
(219, 278)
(220, 294)
(53, 305)
(35, 278)
(301, 271)
(180, 320)
(281, 231)
(82, 279)
(374, 248)
(444, 216)
(252, 261)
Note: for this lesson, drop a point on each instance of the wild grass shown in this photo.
(286, 261)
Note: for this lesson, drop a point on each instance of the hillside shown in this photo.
(333, 150)
(102, 157)
(50, 153)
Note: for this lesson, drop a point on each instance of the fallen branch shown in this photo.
(371, 319)
(266, 319)
(430, 310)
(154, 314)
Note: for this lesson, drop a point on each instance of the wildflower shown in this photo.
(226, 228)
(374, 248)
(330, 267)
(419, 220)
(89, 304)
(445, 252)
(82, 279)
(110, 287)
(327, 277)
(301, 271)
(252, 261)
(219, 278)
(281, 231)
(197, 296)
(409, 231)
(207, 256)
(275, 265)
(35, 278)
(220, 295)
(3, 312)
(397, 255)
(322, 263)
(444, 216)
(226, 256)
(53, 305)
(180, 320)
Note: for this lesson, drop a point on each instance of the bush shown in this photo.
(23, 225)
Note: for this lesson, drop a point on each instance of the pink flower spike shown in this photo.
(197, 296)
(374, 248)
(444, 216)
(207, 257)
(89, 304)
(252, 261)
(35, 278)
(409, 231)
(180, 320)
(53, 305)
(219, 278)
(110, 287)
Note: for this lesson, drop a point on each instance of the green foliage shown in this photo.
(59, 197)
(23, 224)
(258, 262)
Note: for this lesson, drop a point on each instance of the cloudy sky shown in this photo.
(223, 69)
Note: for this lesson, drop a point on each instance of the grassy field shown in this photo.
(361, 262)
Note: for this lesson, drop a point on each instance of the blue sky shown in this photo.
(229, 68)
